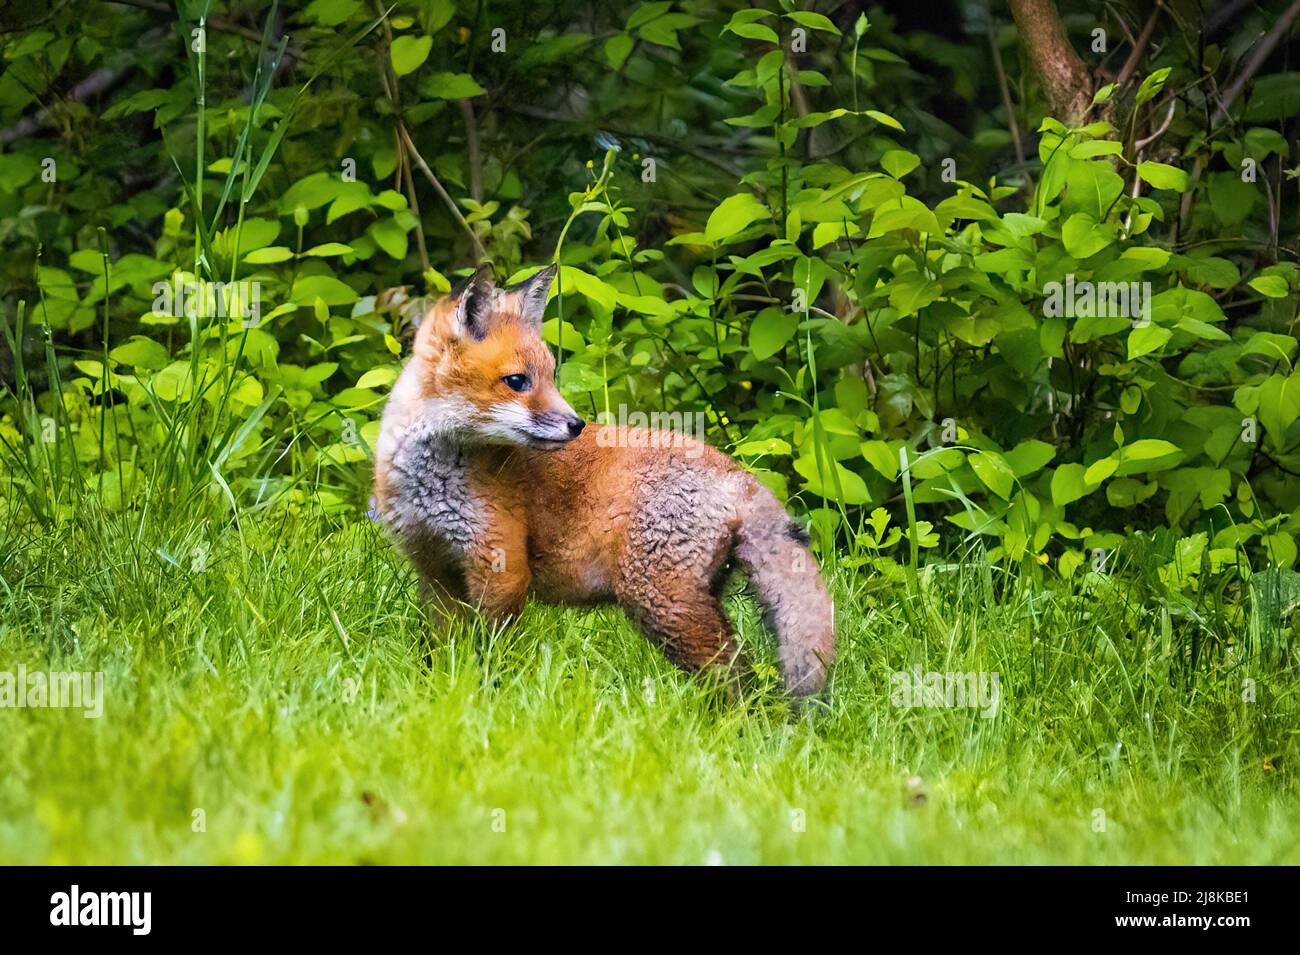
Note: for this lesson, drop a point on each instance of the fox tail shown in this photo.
(774, 552)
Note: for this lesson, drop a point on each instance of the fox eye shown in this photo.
(518, 382)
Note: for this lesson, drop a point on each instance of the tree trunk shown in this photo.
(1065, 79)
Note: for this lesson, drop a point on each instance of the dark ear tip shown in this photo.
(542, 279)
(483, 276)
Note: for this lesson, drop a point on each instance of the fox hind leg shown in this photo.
(684, 618)
(670, 572)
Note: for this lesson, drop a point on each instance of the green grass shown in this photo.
(284, 686)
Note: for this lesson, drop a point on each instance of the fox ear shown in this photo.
(474, 304)
(532, 294)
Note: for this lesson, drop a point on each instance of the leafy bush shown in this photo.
(886, 318)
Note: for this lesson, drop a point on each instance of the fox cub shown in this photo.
(495, 489)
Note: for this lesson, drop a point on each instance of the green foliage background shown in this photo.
(820, 227)
(836, 231)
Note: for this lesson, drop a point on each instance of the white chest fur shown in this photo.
(429, 495)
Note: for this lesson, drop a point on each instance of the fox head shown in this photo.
(479, 352)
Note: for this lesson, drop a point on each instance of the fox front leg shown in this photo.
(498, 575)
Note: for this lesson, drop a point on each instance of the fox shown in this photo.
(496, 489)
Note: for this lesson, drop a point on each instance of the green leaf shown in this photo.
(1152, 85)
(913, 292)
(587, 285)
(767, 446)
(817, 119)
(617, 50)
(409, 52)
(330, 13)
(330, 248)
(451, 86)
(881, 457)
(1231, 200)
(650, 11)
(771, 330)
(814, 21)
(1147, 257)
(390, 237)
(378, 377)
(755, 31)
(578, 379)
(733, 215)
(566, 336)
(1271, 345)
(1084, 236)
(1147, 454)
(249, 392)
(899, 162)
(907, 213)
(1270, 286)
(1068, 484)
(1096, 147)
(663, 30)
(1209, 270)
(135, 103)
(1163, 176)
(1274, 97)
(1019, 224)
(835, 421)
(140, 352)
(1029, 456)
(269, 255)
(1173, 306)
(885, 119)
(327, 288)
(1279, 405)
(1148, 448)
(1145, 339)
(1099, 470)
(1261, 141)
(176, 381)
(1091, 187)
(1104, 94)
(832, 480)
(993, 470)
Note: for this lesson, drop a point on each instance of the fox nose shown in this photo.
(575, 427)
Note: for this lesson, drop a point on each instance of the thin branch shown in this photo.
(479, 252)
(472, 148)
(1257, 58)
(1261, 53)
(1169, 118)
(1131, 64)
(1225, 15)
(1000, 72)
(408, 152)
(405, 172)
(219, 23)
(100, 81)
(701, 154)
(105, 79)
